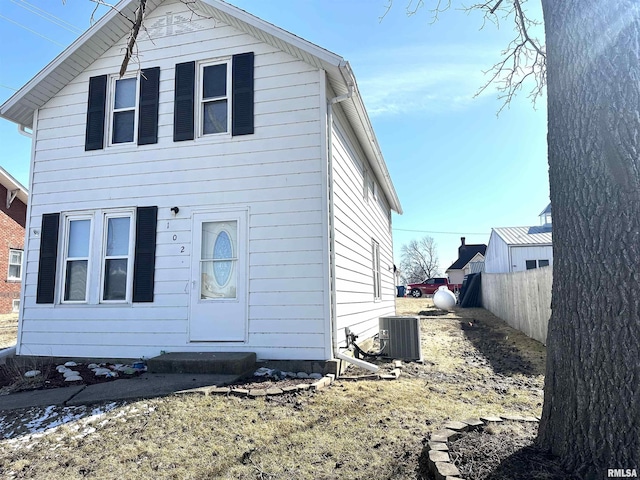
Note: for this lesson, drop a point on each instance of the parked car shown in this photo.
(430, 285)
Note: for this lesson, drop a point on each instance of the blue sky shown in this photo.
(458, 169)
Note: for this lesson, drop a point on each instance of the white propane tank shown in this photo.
(444, 299)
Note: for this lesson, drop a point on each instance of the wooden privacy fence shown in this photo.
(522, 299)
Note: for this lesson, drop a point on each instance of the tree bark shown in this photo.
(591, 413)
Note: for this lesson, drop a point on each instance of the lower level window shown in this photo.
(97, 257)
(15, 306)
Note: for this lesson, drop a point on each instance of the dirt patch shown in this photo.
(504, 452)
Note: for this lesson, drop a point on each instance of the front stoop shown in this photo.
(228, 363)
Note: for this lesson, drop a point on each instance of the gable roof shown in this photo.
(467, 252)
(12, 185)
(540, 235)
(113, 26)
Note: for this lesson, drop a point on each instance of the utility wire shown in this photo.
(442, 233)
(32, 31)
(48, 16)
(8, 87)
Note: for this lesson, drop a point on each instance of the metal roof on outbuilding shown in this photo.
(525, 235)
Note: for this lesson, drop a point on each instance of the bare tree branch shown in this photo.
(524, 59)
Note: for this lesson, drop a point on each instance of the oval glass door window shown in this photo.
(218, 261)
(222, 250)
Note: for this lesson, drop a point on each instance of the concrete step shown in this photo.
(227, 363)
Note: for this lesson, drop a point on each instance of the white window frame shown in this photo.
(112, 109)
(201, 101)
(15, 305)
(106, 215)
(68, 218)
(11, 278)
(377, 272)
(94, 294)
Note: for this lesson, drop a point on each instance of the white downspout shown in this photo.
(334, 327)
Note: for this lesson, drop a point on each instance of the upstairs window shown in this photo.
(15, 265)
(123, 110)
(214, 98)
(125, 106)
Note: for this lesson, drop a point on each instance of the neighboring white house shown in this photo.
(514, 249)
(227, 194)
(470, 260)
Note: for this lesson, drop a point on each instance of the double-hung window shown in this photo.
(15, 265)
(124, 112)
(215, 79)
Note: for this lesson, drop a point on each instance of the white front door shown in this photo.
(218, 310)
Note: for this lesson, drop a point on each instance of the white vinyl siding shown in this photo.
(358, 220)
(276, 173)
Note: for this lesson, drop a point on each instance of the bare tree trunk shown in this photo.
(591, 413)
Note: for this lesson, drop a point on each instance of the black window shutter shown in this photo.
(144, 263)
(183, 106)
(148, 108)
(48, 258)
(242, 97)
(94, 135)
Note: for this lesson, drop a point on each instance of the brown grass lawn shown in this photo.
(8, 329)
(474, 365)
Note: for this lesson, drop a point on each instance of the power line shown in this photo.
(48, 16)
(32, 31)
(8, 87)
(441, 233)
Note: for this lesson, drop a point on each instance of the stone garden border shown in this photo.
(324, 382)
(439, 462)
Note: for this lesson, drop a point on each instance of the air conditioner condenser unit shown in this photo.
(401, 338)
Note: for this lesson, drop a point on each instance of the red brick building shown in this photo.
(13, 214)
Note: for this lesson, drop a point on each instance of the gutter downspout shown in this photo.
(334, 328)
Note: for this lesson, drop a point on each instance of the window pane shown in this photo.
(543, 263)
(123, 126)
(76, 281)
(115, 279)
(15, 257)
(531, 264)
(118, 236)
(214, 83)
(79, 238)
(215, 117)
(125, 93)
(14, 271)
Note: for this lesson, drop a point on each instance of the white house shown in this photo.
(514, 249)
(470, 260)
(227, 194)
